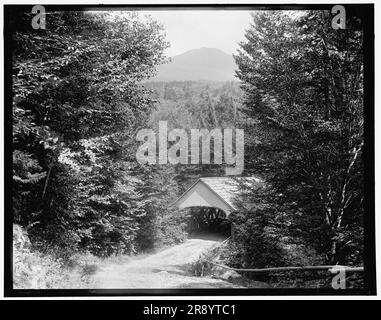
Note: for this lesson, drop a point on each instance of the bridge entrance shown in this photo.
(210, 200)
(208, 221)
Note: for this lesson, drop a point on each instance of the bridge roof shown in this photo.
(216, 192)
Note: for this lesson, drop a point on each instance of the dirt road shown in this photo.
(165, 269)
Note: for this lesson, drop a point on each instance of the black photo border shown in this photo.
(366, 11)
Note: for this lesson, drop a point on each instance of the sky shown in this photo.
(193, 29)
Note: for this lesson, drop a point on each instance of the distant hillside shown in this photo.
(198, 64)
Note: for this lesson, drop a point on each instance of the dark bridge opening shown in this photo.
(208, 221)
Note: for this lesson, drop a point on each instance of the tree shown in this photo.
(303, 101)
(78, 103)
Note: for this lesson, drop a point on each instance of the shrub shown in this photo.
(36, 270)
(170, 228)
(255, 243)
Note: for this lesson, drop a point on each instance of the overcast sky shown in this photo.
(191, 29)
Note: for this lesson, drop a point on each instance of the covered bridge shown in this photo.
(212, 199)
(216, 192)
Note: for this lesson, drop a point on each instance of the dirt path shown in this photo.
(165, 269)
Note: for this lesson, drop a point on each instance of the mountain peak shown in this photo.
(211, 49)
(198, 64)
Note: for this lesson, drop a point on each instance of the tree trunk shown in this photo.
(46, 181)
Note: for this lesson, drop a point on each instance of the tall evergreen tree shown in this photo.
(77, 105)
(303, 85)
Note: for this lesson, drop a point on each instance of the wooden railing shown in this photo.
(332, 268)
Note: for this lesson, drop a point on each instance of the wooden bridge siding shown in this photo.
(202, 196)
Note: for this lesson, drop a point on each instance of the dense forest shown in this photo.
(81, 92)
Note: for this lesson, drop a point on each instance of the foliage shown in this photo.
(32, 269)
(196, 104)
(303, 100)
(255, 241)
(77, 106)
(163, 223)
